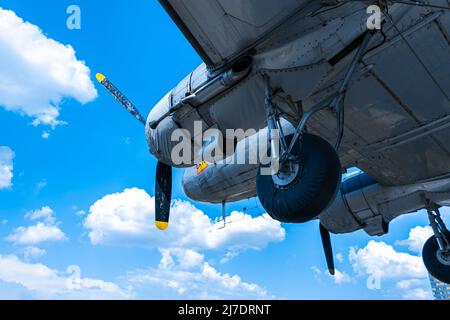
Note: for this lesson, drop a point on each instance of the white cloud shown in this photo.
(317, 272)
(37, 73)
(229, 256)
(339, 277)
(45, 134)
(6, 167)
(340, 257)
(80, 213)
(415, 289)
(46, 230)
(382, 259)
(45, 213)
(406, 271)
(181, 273)
(418, 294)
(33, 253)
(128, 218)
(184, 259)
(35, 234)
(417, 238)
(185, 273)
(45, 283)
(411, 283)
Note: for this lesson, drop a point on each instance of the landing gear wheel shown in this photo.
(306, 183)
(436, 262)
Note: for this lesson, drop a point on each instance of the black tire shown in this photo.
(434, 266)
(312, 191)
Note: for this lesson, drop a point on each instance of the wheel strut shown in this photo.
(440, 231)
(335, 102)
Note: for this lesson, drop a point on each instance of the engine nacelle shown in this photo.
(362, 203)
(179, 109)
(231, 180)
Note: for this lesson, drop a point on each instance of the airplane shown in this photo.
(329, 90)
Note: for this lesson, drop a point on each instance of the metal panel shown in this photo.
(397, 125)
(400, 94)
(221, 29)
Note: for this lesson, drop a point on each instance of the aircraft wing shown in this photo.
(397, 106)
(221, 30)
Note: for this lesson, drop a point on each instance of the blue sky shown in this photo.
(61, 169)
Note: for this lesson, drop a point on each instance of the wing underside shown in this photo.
(397, 119)
(220, 30)
(397, 111)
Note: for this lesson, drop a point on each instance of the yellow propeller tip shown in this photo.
(161, 225)
(100, 77)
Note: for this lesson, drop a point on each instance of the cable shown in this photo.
(421, 4)
(378, 45)
(406, 2)
(319, 11)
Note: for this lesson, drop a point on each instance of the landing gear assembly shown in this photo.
(308, 177)
(436, 251)
(309, 172)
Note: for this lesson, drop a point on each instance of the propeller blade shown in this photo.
(120, 97)
(163, 195)
(326, 242)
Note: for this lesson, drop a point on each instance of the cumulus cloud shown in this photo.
(415, 289)
(406, 271)
(6, 167)
(410, 283)
(45, 213)
(37, 73)
(229, 256)
(183, 259)
(417, 238)
(184, 272)
(46, 230)
(35, 234)
(127, 218)
(339, 277)
(46, 283)
(382, 259)
(181, 273)
(418, 294)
